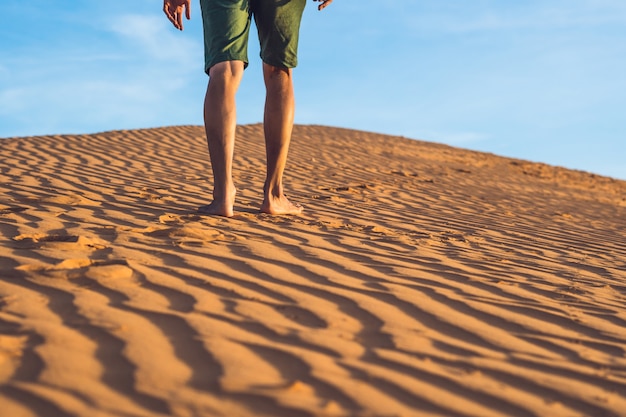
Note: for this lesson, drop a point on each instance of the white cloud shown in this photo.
(123, 72)
(155, 38)
(88, 104)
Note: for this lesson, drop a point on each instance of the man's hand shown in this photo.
(173, 9)
(323, 4)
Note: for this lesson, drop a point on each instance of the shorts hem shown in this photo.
(278, 64)
(223, 58)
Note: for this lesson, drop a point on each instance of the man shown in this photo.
(226, 27)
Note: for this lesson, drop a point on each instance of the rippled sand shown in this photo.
(421, 280)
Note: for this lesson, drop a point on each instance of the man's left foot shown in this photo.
(280, 206)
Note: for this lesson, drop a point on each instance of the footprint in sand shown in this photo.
(71, 200)
(155, 195)
(194, 236)
(74, 268)
(169, 218)
(59, 241)
(185, 235)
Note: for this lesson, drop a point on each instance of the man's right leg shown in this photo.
(220, 121)
(277, 124)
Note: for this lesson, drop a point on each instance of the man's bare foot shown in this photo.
(219, 206)
(217, 209)
(279, 206)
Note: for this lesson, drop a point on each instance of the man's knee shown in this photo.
(227, 71)
(276, 75)
(272, 70)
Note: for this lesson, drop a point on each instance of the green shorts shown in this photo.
(227, 26)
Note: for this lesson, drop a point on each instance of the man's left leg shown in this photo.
(278, 125)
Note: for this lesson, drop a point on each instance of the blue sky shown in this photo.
(542, 80)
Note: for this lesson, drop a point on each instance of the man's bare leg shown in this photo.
(278, 125)
(220, 121)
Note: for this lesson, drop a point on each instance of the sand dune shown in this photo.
(421, 280)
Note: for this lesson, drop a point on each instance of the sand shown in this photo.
(421, 280)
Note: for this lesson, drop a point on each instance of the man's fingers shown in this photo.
(166, 10)
(171, 17)
(179, 18)
(323, 4)
(174, 11)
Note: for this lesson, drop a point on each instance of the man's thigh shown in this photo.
(226, 25)
(278, 23)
